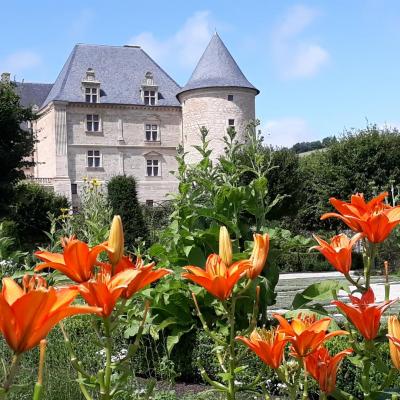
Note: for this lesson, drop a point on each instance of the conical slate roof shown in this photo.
(217, 68)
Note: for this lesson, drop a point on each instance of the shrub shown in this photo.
(30, 212)
(124, 202)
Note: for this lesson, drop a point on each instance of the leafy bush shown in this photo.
(123, 199)
(30, 212)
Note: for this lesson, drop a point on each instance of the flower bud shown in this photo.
(116, 240)
(259, 255)
(225, 246)
(394, 331)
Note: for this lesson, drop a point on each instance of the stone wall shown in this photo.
(123, 147)
(212, 109)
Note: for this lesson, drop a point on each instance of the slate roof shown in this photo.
(32, 93)
(120, 70)
(217, 68)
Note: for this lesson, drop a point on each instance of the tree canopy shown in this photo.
(16, 142)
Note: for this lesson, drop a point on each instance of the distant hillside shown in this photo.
(304, 147)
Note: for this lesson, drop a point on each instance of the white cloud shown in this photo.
(185, 46)
(287, 131)
(20, 61)
(295, 56)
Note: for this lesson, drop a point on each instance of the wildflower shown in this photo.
(104, 290)
(306, 334)
(30, 311)
(77, 261)
(115, 242)
(225, 246)
(217, 278)
(364, 313)
(259, 255)
(338, 251)
(267, 344)
(323, 368)
(394, 342)
(375, 219)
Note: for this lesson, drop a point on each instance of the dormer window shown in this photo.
(91, 95)
(149, 90)
(150, 97)
(91, 87)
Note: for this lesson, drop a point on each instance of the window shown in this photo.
(153, 168)
(231, 122)
(230, 97)
(149, 203)
(150, 97)
(152, 132)
(74, 188)
(92, 123)
(93, 159)
(91, 94)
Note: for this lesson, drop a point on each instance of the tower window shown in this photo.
(149, 203)
(152, 133)
(91, 94)
(94, 159)
(153, 168)
(149, 97)
(230, 97)
(231, 122)
(92, 123)
(74, 188)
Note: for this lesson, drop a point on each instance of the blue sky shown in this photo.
(321, 66)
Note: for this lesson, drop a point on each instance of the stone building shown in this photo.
(113, 110)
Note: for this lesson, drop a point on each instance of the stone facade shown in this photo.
(215, 109)
(120, 140)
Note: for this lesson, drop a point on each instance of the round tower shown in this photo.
(217, 96)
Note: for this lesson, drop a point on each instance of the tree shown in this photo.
(122, 196)
(364, 161)
(16, 143)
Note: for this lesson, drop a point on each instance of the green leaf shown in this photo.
(174, 337)
(318, 291)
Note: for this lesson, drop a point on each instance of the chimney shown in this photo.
(5, 77)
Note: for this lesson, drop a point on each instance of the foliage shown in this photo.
(304, 147)
(29, 212)
(361, 161)
(16, 143)
(123, 199)
(90, 223)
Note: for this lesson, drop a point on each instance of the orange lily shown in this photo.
(338, 251)
(77, 261)
(364, 313)
(394, 342)
(146, 274)
(28, 313)
(104, 290)
(259, 255)
(269, 345)
(217, 278)
(375, 218)
(323, 368)
(306, 334)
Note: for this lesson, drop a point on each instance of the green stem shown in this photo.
(82, 386)
(305, 385)
(108, 350)
(11, 375)
(323, 396)
(361, 288)
(369, 260)
(231, 395)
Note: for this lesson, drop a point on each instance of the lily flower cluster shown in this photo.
(29, 311)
